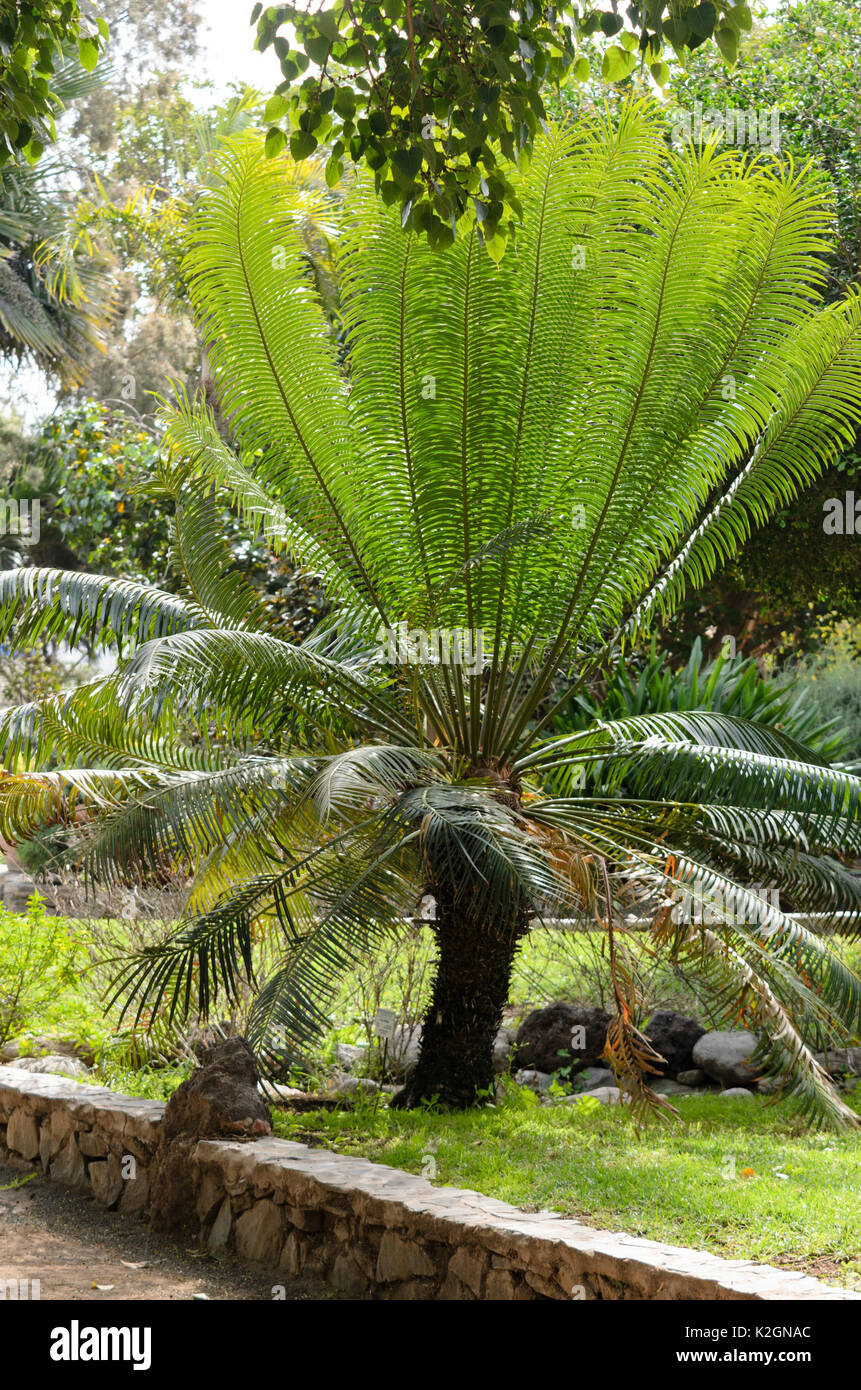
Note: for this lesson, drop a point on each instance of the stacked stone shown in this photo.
(83, 1137)
(370, 1231)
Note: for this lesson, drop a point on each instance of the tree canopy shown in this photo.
(37, 41)
(429, 93)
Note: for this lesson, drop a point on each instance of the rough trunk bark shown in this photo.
(470, 991)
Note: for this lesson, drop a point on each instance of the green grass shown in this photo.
(743, 1179)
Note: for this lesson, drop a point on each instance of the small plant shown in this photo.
(646, 683)
(39, 957)
(831, 680)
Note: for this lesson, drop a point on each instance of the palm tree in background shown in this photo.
(51, 309)
(511, 476)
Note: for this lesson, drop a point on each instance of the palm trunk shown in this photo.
(470, 991)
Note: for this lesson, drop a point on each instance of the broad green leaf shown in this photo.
(276, 140)
(727, 41)
(88, 52)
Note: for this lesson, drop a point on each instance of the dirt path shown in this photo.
(72, 1246)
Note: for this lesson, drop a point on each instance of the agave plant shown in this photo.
(512, 470)
(646, 683)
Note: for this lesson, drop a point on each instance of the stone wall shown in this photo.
(369, 1230)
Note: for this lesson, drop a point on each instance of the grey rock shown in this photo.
(736, 1093)
(351, 1055)
(538, 1081)
(54, 1065)
(50, 1043)
(593, 1077)
(695, 1077)
(344, 1085)
(666, 1086)
(502, 1045)
(607, 1095)
(404, 1047)
(841, 1061)
(768, 1085)
(280, 1094)
(18, 889)
(724, 1056)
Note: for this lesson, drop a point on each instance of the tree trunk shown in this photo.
(470, 991)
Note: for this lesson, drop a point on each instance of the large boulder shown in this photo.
(673, 1036)
(725, 1056)
(841, 1061)
(561, 1037)
(404, 1047)
(220, 1098)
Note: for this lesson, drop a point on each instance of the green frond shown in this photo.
(44, 605)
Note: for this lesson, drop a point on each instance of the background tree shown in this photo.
(37, 42)
(428, 92)
(49, 314)
(806, 62)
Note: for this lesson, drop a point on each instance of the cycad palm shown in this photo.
(52, 305)
(652, 345)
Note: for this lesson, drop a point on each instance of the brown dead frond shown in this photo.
(627, 1050)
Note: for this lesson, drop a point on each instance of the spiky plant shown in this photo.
(527, 464)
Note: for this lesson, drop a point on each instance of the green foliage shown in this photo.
(647, 683)
(50, 312)
(39, 958)
(429, 93)
(831, 678)
(538, 454)
(806, 63)
(94, 470)
(36, 43)
(91, 463)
